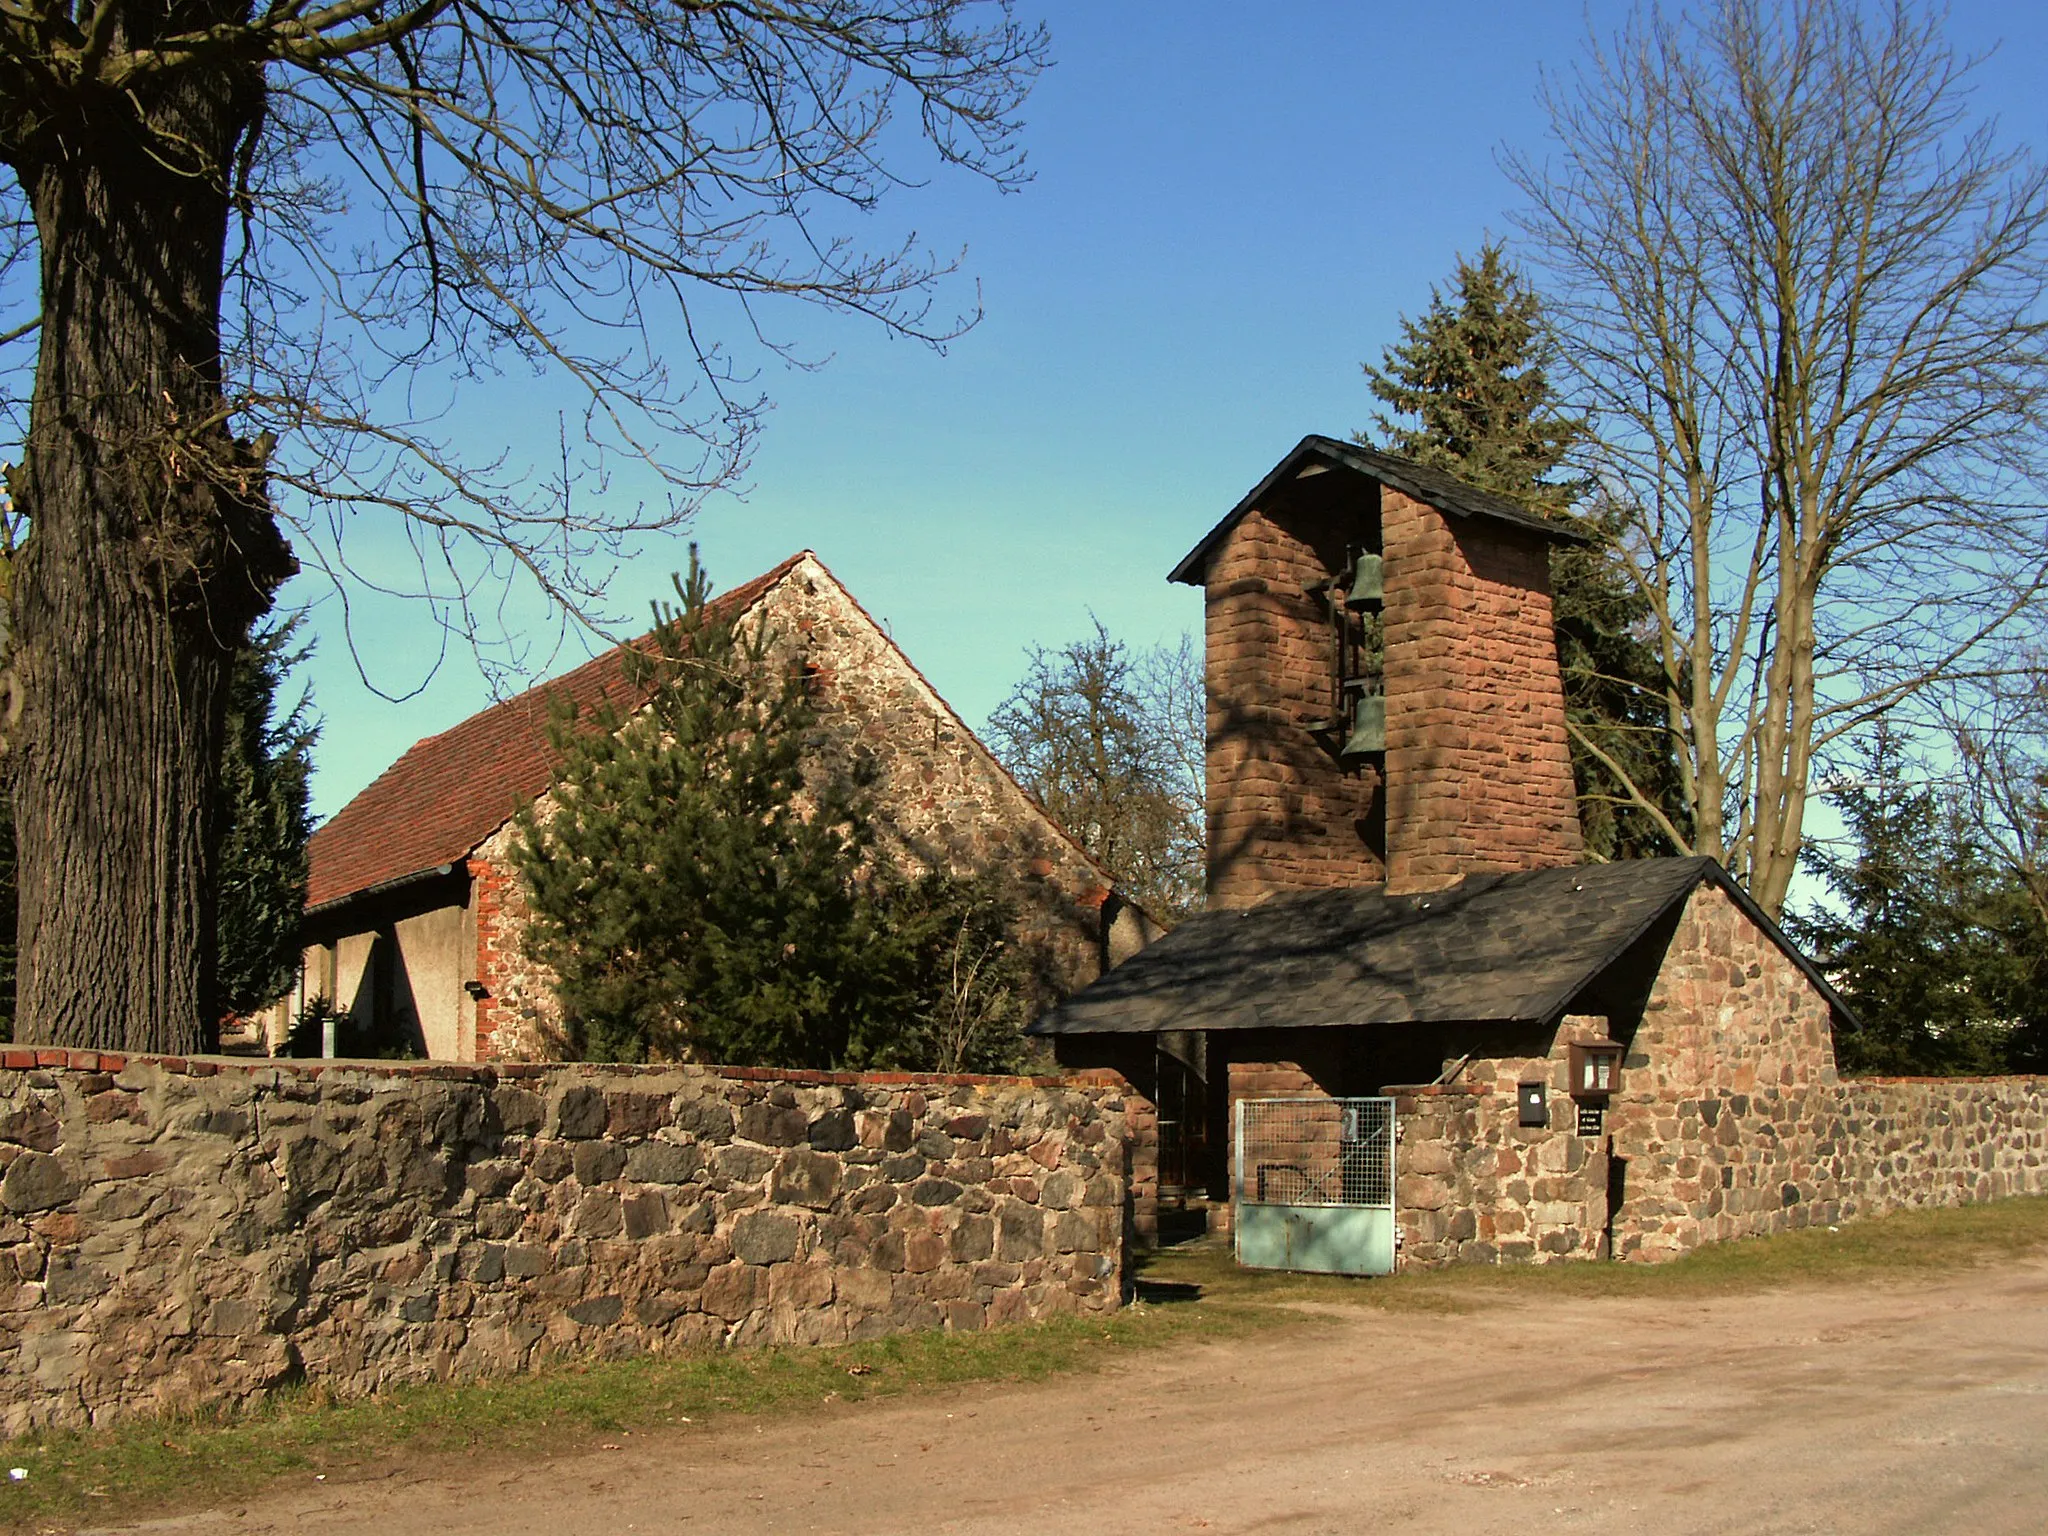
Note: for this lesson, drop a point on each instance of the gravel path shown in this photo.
(1914, 1406)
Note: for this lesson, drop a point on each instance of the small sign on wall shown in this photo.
(1591, 1118)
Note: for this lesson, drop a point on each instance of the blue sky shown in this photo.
(1232, 207)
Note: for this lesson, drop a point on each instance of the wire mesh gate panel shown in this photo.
(1314, 1185)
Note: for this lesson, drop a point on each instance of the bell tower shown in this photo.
(1384, 700)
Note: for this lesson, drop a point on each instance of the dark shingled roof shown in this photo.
(1445, 492)
(1511, 948)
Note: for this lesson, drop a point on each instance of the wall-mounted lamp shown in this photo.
(1595, 1067)
(476, 989)
(1529, 1096)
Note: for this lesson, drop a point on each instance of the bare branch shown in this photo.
(1806, 302)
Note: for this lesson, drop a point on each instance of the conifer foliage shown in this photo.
(1469, 388)
(704, 880)
(265, 822)
(1931, 941)
(1471, 374)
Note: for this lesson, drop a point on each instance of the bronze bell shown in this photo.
(1368, 725)
(1368, 582)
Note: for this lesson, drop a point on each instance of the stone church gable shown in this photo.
(412, 879)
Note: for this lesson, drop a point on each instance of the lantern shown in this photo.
(1595, 1068)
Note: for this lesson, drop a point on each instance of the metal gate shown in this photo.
(1314, 1185)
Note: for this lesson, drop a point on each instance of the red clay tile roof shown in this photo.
(450, 792)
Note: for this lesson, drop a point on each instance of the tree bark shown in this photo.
(151, 549)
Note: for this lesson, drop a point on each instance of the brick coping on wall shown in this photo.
(30, 1058)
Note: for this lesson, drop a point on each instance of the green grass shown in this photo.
(1188, 1294)
(1858, 1252)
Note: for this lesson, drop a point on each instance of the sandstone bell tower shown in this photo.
(1384, 699)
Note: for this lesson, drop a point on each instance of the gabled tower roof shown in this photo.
(1317, 454)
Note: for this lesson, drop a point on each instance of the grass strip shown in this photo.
(165, 1464)
(1880, 1249)
(1194, 1292)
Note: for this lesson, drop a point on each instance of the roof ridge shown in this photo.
(1108, 877)
(468, 779)
(767, 580)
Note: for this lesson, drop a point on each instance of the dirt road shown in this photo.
(1918, 1406)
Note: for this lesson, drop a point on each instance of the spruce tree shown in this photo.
(264, 823)
(1470, 392)
(1921, 938)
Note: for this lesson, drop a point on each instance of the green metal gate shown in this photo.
(1313, 1185)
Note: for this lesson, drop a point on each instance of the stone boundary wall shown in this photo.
(182, 1232)
(1774, 1160)
(1474, 1187)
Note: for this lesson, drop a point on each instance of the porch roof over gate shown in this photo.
(1513, 948)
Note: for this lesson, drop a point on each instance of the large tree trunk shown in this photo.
(151, 549)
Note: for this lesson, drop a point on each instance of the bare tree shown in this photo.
(1800, 291)
(1111, 745)
(1999, 728)
(268, 234)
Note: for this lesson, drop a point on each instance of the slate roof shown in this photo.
(1494, 949)
(1445, 492)
(450, 792)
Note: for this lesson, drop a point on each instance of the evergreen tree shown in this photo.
(683, 898)
(968, 984)
(704, 881)
(265, 822)
(1921, 941)
(1471, 372)
(1472, 377)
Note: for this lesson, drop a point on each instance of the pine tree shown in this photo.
(704, 881)
(1920, 941)
(686, 901)
(1471, 376)
(265, 822)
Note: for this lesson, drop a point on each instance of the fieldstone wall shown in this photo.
(178, 1232)
(1475, 1187)
(1747, 1164)
(1730, 1122)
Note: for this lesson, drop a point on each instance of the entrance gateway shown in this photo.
(1313, 1185)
